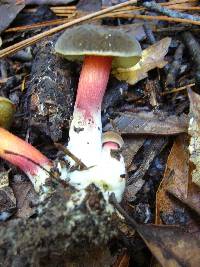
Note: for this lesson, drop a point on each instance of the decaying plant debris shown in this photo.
(50, 109)
(152, 105)
(63, 231)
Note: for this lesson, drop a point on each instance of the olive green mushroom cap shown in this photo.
(7, 111)
(90, 39)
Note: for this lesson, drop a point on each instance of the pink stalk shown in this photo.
(86, 129)
(26, 157)
(92, 85)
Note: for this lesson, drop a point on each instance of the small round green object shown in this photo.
(7, 111)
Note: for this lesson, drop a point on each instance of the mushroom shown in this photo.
(108, 174)
(112, 140)
(26, 157)
(7, 111)
(101, 48)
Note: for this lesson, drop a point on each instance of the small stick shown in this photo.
(38, 25)
(130, 220)
(176, 90)
(147, 17)
(171, 13)
(71, 155)
(175, 29)
(174, 67)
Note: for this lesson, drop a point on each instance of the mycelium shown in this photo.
(101, 48)
(21, 154)
(108, 174)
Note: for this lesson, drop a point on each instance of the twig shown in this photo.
(72, 156)
(130, 220)
(16, 47)
(171, 13)
(175, 29)
(172, 5)
(147, 17)
(176, 90)
(194, 50)
(38, 25)
(175, 66)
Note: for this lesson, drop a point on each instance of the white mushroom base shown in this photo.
(108, 175)
(104, 170)
(85, 138)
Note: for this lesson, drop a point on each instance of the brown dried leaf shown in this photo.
(7, 198)
(178, 181)
(148, 123)
(194, 131)
(25, 195)
(175, 179)
(122, 260)
(152, 57)
(171, 246)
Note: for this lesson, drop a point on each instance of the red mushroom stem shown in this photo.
(86, 129)
(25, 156)
(92, 84)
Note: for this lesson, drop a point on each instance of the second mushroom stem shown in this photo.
(26, 157)
(86, 129)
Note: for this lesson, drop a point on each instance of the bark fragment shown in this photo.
(51, 91)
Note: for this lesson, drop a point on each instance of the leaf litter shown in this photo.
(152, 57)
(172, 246)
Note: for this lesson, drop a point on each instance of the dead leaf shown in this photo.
(122, 260)
(130, 148)
(25, 195)
(8, 12)
(171, 246)
(175, 178)
(194, 131)
(148, 123)
(135, 181)
(178, 181)
(152, 57)
(7, 198)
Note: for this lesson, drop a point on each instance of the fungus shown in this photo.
(101, 48)
(23, 155)
(108, 174)
(7, 110)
